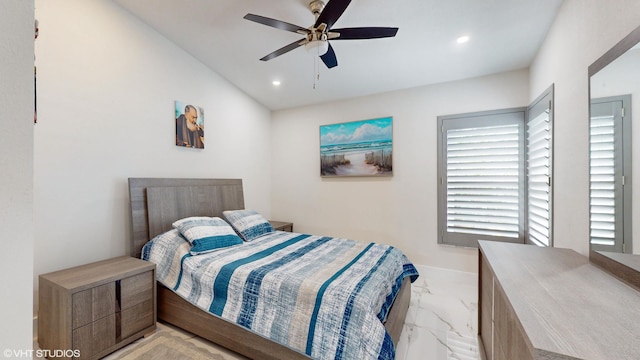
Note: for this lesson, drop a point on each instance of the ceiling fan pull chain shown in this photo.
(318, 65)
(315, 62)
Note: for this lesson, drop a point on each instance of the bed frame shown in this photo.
(156, 203)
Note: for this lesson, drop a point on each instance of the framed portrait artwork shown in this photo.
(189, 125)
(357, 148)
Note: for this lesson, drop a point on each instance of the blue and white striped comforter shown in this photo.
(325, 297)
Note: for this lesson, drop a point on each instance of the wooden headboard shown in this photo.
(157, 202)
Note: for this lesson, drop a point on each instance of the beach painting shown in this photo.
(357, 148)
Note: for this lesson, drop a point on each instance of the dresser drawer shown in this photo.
(93, 304)
(508, 335)
(136, 289)
(486, 308)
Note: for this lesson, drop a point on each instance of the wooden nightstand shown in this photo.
(97, 308)
(282, 226)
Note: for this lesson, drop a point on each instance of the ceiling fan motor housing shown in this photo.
(316, 7)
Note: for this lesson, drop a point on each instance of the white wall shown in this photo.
(16, 174)
(582, 32)
(399, 210)
(106, 87)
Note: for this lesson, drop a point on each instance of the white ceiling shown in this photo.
(504, 35)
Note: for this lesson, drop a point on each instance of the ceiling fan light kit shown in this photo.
(318, 44)
(317, 36)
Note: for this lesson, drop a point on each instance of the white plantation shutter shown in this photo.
(482, 180)
(481, 176)
(538, 149)
(602, 180)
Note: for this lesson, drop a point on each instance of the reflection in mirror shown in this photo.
(615, 96)
(610, 171)
(614, 80)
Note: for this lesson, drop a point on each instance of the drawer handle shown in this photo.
(118, 295)
(118, 308)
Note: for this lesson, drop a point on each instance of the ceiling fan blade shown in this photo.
(364, 33)
(284, 49)
(329, 58)
(276, 23)
(331, 12)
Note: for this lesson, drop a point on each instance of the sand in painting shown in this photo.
(356, 166)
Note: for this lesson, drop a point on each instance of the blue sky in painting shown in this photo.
(357, 131)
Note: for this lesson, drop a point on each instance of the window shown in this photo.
(610, 174)
(481, 172)
(494, 173)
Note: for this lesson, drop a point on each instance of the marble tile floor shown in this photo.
(442, 320)
(441, 323)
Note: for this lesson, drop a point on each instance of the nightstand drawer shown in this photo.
(93, 304)
(95, 337)
(136, 289)
(136, 318)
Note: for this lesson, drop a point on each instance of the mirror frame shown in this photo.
(615, 52)
(624, 266)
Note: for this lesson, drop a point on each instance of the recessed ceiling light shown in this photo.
(276, 82)
(462, 39)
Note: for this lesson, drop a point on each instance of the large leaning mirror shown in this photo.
(614, 154)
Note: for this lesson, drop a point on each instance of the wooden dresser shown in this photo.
(97, 308)
(549, 303)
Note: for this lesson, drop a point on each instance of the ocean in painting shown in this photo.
(355, 147)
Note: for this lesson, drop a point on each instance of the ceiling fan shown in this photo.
(318, 35)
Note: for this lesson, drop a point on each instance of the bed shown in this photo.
(156, 203)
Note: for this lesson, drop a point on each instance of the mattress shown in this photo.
(323, 296)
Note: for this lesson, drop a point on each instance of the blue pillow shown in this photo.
(206, 233)
(249, 224)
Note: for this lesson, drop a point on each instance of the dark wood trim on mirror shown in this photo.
(618, 49)
(625, 267)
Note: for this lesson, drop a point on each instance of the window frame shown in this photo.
(471, 240)
(541, 103)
